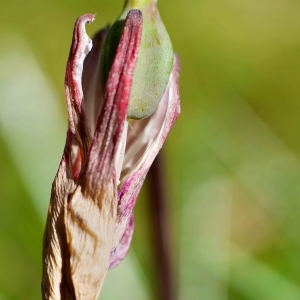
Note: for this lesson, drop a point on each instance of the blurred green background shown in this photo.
(233, 158)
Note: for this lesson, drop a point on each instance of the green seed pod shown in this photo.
(155, 58)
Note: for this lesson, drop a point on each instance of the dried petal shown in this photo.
(82, 214)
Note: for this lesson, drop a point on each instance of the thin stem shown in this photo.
(162, 230)
(137, 3)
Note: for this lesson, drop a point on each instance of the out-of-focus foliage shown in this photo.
(233, 158)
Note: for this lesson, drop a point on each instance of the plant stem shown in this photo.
(162, 233)
(137, 3)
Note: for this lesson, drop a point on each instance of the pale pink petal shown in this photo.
(145, 139)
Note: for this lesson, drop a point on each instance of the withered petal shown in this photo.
(80, 230)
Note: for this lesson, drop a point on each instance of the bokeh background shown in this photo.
(232, 160)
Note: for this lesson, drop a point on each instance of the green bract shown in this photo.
(155, 58)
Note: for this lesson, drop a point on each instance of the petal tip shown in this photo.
(87, 18)
(135, 17)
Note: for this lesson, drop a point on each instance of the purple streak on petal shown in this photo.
(120, 252)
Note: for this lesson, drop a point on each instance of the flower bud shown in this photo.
(155, 58)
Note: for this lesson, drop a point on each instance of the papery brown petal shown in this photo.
(56, 282)
(90, 234)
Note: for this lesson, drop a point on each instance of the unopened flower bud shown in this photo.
(155, 58)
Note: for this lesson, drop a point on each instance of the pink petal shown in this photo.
(110, 125)
(81, 46)
(145, 139)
